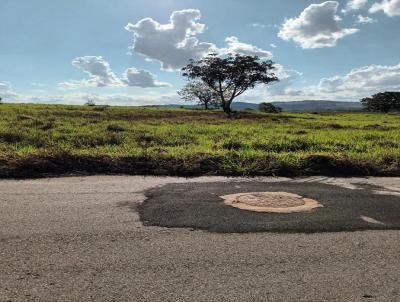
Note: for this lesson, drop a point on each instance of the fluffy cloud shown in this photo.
(141, 78)
(389, 7)
(363, 81)
(175, 43)
(172, 44)
(358, 83)
(99, 71)
(353, 5)
(237, 47)
(365, 20)
(316, 27)
(101, 75)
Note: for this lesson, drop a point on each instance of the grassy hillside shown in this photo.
(39, 140)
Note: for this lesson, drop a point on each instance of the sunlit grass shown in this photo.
(252, 143)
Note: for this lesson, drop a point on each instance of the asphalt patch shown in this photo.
(199, 206)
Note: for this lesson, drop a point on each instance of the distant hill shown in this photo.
(318, 106)
(307, 105)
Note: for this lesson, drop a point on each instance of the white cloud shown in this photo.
(362, 80)
(116, 99)
(287, 77)
(99, 71)
(4, 87)
(6, 92)
(358, 83)
(175, 43)
(141, 78)
(80, 98)
(236, 47)
(316, 27)
(273, 45)
(172, 44)
(365, 20)
(353, 5)
(389, 7)
(101, 75)
(258, 25)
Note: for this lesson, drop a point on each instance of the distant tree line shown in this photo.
(382, 102)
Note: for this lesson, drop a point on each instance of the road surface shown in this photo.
(119, 238)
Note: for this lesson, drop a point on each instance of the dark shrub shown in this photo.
(269, 108)
(11, 137)
(115, 128)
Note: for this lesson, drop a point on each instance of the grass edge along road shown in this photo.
(50, 140)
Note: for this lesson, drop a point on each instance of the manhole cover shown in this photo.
(272, 202)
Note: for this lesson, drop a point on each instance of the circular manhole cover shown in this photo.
(271, 202)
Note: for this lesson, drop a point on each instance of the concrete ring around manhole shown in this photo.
(271, 202)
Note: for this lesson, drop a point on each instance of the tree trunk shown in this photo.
(226, 106)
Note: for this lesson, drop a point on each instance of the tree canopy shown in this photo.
(200, 92)
(382, 102)
(230, 76)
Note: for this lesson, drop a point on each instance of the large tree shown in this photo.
(382, 102)
(201, 93)
(231, 75)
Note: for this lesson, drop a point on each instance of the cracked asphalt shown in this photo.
(98, 239)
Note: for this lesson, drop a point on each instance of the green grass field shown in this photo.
(40, 140)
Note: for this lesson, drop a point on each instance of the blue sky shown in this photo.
(130, 51)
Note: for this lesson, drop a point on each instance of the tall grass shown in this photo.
(186, 142)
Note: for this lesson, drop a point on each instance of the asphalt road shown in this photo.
(82, 239)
